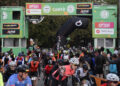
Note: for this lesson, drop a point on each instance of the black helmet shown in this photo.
(35, 58)
(22, 68)
(60, 61)
(26, 68)
(85, 67)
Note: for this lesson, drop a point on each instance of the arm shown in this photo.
(1, 80)
(10, 82)
(29, 83)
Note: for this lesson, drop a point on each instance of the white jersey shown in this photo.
(82, 73)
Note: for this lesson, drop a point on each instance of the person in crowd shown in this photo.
(99, 61)
(116, 51)
(1, 80)
(113, 64)
(21, 78)
(6, 59)
(48, 69)
(19, 59)
(118, 64)
(81, 75)
(61, 74)
(11, 69)
(112, 80)
(34, 64)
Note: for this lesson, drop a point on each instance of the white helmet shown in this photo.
(51, 54)
(112, 77)
(12, 63)
(65, 52)
(66, 57)
(74, 61)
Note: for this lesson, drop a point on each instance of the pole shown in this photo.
(119, 23)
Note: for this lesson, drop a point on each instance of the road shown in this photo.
(41, 82)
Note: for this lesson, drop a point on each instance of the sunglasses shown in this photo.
(75, 65)
(115, 82)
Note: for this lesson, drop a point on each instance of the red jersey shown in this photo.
(48, 68)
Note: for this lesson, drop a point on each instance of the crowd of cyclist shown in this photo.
(60, 66)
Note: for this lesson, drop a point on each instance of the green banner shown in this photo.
(104, 22)
(12, 25)
(58, 8)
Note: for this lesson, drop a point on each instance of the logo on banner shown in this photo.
(78, 23)
(4, 15)
(97, 31)
(104, 14)
(46, 9)
(70, 8)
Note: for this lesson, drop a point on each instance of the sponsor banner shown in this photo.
(84, 6)
(10, 31)
(104, 25)
(104, 31)
(11, 26)
(34, 11)
(33, 6)
(59, 9)
(84, 11)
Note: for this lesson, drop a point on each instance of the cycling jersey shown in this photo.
(1, 80)
(67, 71)
(14, 81)
(104, 84)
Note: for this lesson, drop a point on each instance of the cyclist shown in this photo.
(6, 59)
(1, 79)
(20, 79)
(82, 75)
(61, 74)
(34, 64)
(48, 69)
(9, 71)
(19, 59)
(112, 80)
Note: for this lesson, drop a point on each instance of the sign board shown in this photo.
(11, 29)
(104, 22)
(11, 26)
(10, 32)
(58, 8)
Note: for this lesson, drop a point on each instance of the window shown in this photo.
(11, 42)
(109, 43)
(16, 15)
(23, 42)
(100, 42)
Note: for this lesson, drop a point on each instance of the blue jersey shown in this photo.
(14, 81)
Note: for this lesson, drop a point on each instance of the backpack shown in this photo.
(113, 68)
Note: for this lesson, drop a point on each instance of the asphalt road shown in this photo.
(41, 81)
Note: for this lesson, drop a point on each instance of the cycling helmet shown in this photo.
(35, 58)
(51, 54)
(65, 51)
(66, 57)
(112, 77)
(23, 68)
(20, 54)
(12, 63)
(60, 61)
(85, 67)
(20, 68)
(50, 62)
(6, 54)
(74, 61)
